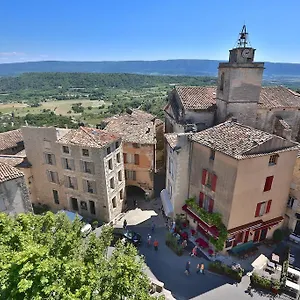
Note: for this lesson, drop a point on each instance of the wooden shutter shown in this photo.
(125, 158)
(268, 183)
(214, 182)
(136, 159)
(268, 206)
(63, 162)
(246, 236)
(201, 199)
(257, 209)
(72, 164)
(92, 167)
(204, 174)
(210, 205)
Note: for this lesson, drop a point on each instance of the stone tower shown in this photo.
(239, 84)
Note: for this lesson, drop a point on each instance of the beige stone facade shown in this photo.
(78, 170)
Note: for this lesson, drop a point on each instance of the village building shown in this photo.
(14, 196)
(235, 170)
(11, 142)
(239, 95)
(79, 170)
(143, 147)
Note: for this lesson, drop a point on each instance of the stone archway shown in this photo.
(135, 195)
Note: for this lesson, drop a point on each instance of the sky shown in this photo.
(105, 30)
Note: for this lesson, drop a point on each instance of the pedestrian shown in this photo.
(198, 268)
(149, 240)
(194, 251)
(184, 244)
(187, 268)
(125, 224)
(155, 244)
(152, 226)
(202, 269)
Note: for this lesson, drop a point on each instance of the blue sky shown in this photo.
(95, 30)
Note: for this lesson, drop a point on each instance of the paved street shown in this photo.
(169, 268)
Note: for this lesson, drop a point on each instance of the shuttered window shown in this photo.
(214, 182)
(87, 167)
(71, 182)
(89, 186)
(257, 209)
(268, 183)
(136, 159)
(268, 206)
(210, 205)
(49, 159)
(125, 157)
(52, 176)
(204, 174)
(68, 164)
(201, 198)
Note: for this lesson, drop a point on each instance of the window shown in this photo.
(112, 183)
(89, 186)
(136, 159)
(114, 202)
(52, 176)
(55, 196)
(120, 175)
(206, 202)
(268, 183)
(129, 158)
(83, 205)
(291, 202)
(135, 145)
(273, 160)
(92, 207)
(222, 82)
(263, 208)
(68, 164)
(85, 152)
(121, 195)
(108, 150)
(118, 156)
(170, 188)
(66, 149)
(87, 167)
(110, 164)
(117, 145)
(130, 175)
(71, 182)
(74, 204)
(212, 155)
(49, 158)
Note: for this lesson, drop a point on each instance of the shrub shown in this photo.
(277, 235)
(172, 243)
(264, 283)
(223, 269)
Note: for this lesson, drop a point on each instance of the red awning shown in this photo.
(212, 230)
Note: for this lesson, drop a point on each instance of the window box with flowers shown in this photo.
(211, 219)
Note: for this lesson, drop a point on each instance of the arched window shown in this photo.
(222, 82)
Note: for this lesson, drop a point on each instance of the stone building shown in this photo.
(11, 142)
(233, 169)
(80, 170)
(292, 217)
(143, 145)
(14, 196)
(239, 95)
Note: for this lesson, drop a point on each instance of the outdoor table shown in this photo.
(202, 243)
(275, 258)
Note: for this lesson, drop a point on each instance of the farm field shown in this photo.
(62, 107)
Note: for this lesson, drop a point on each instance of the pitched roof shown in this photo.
(8, 172)
(133, 128)
(237, 140)
(171, 139)
(11, 160)
(196, 97)
(278, 97)
(88, 137)
(10, 139)
(199, 97)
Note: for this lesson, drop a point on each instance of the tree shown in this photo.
(45, 257)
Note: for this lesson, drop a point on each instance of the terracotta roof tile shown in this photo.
(10, 139)
(171, 139)
(278, 97)
(11, 160)
(196, 97)
(133, 128)
(88, 137)
(8, 172)
(236, 140)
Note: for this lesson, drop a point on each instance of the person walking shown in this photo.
(152, 227)
(187, 268)
(155, 244)
(194, 251)
(184, 244)
(198, 268)
(125, 224)
(202, 269)
(149, 240)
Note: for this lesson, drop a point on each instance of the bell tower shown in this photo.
(239, 83)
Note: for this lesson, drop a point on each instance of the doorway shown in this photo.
(263, 234)
(256, 236)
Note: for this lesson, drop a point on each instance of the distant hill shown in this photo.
(187, 67)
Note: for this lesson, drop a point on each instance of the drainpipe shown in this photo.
(189, 168)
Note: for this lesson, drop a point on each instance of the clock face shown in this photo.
(246, 53)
